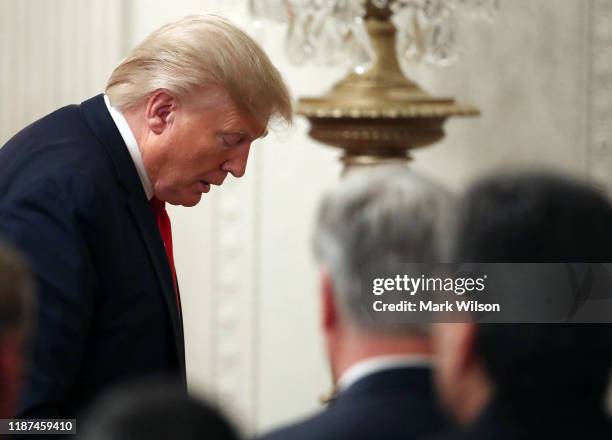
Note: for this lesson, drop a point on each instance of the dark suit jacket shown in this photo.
(549, 421)
(71, 200)
(392, 404)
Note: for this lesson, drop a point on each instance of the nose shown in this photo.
(236, 164)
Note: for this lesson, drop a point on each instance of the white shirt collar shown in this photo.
(380, 363)
(130, 141)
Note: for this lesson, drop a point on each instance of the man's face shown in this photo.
(201, 141)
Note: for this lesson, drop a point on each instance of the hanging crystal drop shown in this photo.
(435, 9)
(410, 38)
(441, 42)
(297, 44)
(329, 44)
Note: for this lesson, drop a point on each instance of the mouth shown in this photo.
(204, 186)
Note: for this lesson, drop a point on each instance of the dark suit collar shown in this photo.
(105, 130)
(401, 380)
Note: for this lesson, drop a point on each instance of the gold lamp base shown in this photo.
(379, 116)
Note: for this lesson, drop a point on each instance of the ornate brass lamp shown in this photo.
(374, 114)
(379, 115)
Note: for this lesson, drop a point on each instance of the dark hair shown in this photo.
(534, 217)
(153, 410)
(540, 217)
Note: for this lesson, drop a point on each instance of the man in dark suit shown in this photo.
(83, 193)
(527, 381)
(381, 366)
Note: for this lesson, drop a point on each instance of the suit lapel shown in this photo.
(106, 132)
(141, 212)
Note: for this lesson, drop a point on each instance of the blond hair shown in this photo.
(199, 51)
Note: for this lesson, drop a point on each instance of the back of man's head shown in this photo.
(540, 218)
(372, 222)
(153, 410)
(534, 217)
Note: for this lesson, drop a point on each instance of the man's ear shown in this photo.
(466, 345)
(161, 106)
(329, 310)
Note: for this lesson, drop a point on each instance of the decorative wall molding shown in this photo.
(599, 115)
(236, 296)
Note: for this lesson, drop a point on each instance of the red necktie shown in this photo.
(165, 229)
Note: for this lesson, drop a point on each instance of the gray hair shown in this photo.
(199, 51)
(374, 220)
(16, 290)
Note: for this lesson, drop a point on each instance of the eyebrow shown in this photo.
(243, 133)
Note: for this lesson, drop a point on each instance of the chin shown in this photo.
(191, 202)
(180, 197)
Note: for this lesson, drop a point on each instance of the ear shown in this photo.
(466, 345)
(329, 311)
(160, 110)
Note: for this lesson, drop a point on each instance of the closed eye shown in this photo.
(231, 140)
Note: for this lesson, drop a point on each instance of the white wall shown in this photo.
(541, 74)
(54, 52)
(528, 74)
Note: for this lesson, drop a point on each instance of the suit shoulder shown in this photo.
(399, 416)
(333, 423)
(60, 151)
(63, 135)
(58, 123)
